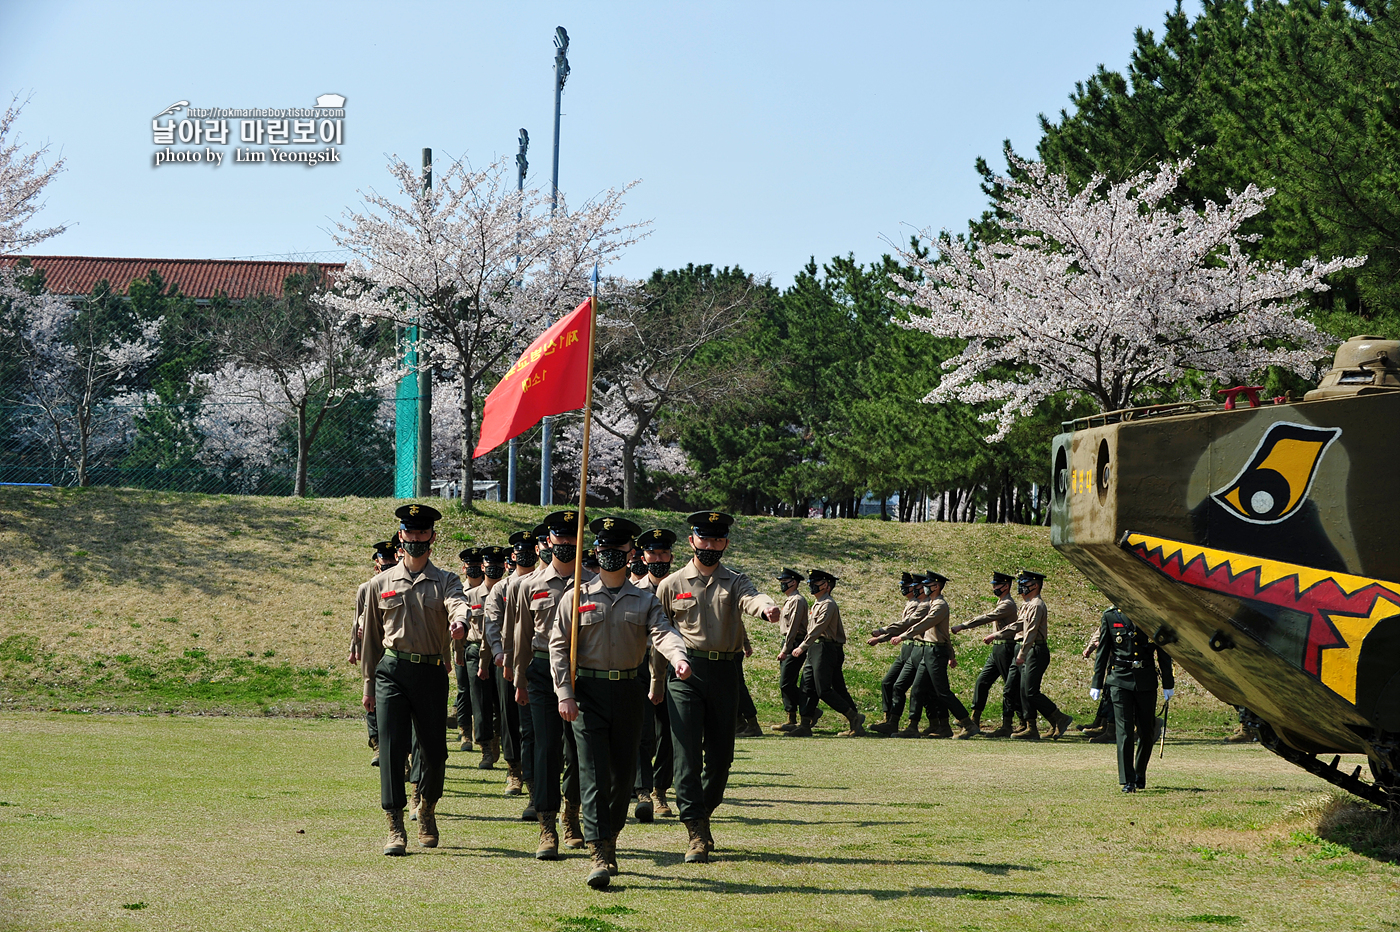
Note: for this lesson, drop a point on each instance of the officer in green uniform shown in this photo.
(414, 612)
(792, 628)
(604, 702)
(1128, 663)
(1005, 627)
(472, 578)
(706, 600)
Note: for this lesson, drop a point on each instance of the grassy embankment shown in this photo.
(171, 822)
(128, 600)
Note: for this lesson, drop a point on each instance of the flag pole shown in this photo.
(583, 478)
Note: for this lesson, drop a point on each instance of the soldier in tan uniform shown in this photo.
(825, 648)
(651, 563)
(604, 703)
(1005, 629)
(705, 600)
(462, 709)
(478, 659)
(896, 684)
(933, 630)
(792, 628)
(537, 601)
(1033, 656)
(385, 556)
(414, 612)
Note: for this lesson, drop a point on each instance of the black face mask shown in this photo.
(545, 554)
(814, 588)
(1023, 586)
(417, 548)
(474, 572)
(564, 553)
(659, 570)
(637, 568)
(709, 557)
(526, 558)
(613, 560)
(495, 571)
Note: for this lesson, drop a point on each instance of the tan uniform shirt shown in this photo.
(1034, 621)
(646, 583)
(913, 612)
(493, 612)
(931, 626)
(825, 623)
(410, 614)
(612, 635)
(792, 623)
(707, 610)
(357, 630)
(1006, 626)
(536, 600)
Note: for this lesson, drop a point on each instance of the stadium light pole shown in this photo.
(522, 165)
(561, 74)
(425, 379)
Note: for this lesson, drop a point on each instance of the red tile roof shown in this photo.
(197, 278)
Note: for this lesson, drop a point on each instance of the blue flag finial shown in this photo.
(595, 273)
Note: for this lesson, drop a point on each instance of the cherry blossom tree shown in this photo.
(23, 177)
(1109, 293)
(477, 266)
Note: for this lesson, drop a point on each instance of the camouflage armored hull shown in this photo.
(1259, 547)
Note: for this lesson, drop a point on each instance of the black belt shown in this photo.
(715, 654)
(608, 674)
(414, 658)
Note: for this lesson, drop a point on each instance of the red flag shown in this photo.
(550, 377)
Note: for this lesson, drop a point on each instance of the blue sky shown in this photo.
(762, 132)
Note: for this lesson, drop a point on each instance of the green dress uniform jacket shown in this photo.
(1129, 664)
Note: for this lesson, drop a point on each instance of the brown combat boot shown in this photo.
(748, 728)
(466, 739)
(939, 729)
(696, 853)
(427, 824)
(644, 811)
(909, 731)
(414, 803)
(1004, 731)
(397, 842)
(528, 813)
(1108, 735)
(610, 852)
(887, 727)
(1031, 733)
(1093, 731)
(1243, 735)
(573, 833)
(968, 728)
(598, 875)
(857, 723)
(513, 782)
(548, 849)
(1062, 724)
(705, 834)
(658, 803)
(490, 753)
(803, 729)
(788, 725)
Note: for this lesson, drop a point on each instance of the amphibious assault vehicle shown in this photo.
(1258, 542)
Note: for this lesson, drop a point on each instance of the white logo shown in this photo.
(177, 105)
(330, 100)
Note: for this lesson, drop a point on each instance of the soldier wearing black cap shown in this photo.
(706, 601)
(415, 610)
(654, 755)
(499, 633)
(938, 653)
(476, 649)
(1005, 628)
(472, 578)
(1033, 656)
(792, 627)
(825, 647)
(537, 600)
(385, 555)
(616, 622)
(1127, 664)
(896, 683)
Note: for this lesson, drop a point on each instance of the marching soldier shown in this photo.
(604, 705)
(792, 627)
(1101, 729)
(499, 634)
(938, 654)
(892, 698)
(1033, 657)
(914, 678)
(1005, 628)
(1128, 664)
(655, 757)
(825, 645)
(705, 599)
(385, 556)
(476, 652)
(537, 601)
(414, 610)
(472, 578)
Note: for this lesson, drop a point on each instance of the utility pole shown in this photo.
(425, 379)
(522, 165)
(561, 74)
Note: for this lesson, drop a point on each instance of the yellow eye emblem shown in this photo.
(1275, 482)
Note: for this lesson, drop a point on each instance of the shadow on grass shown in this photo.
(711, 885)
(856, 823)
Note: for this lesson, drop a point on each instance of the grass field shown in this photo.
(151, 601)
(179, 822)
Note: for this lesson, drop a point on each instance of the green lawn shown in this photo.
(167, 822)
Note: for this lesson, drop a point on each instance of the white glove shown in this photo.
(1094, 694)
(1167, 694)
